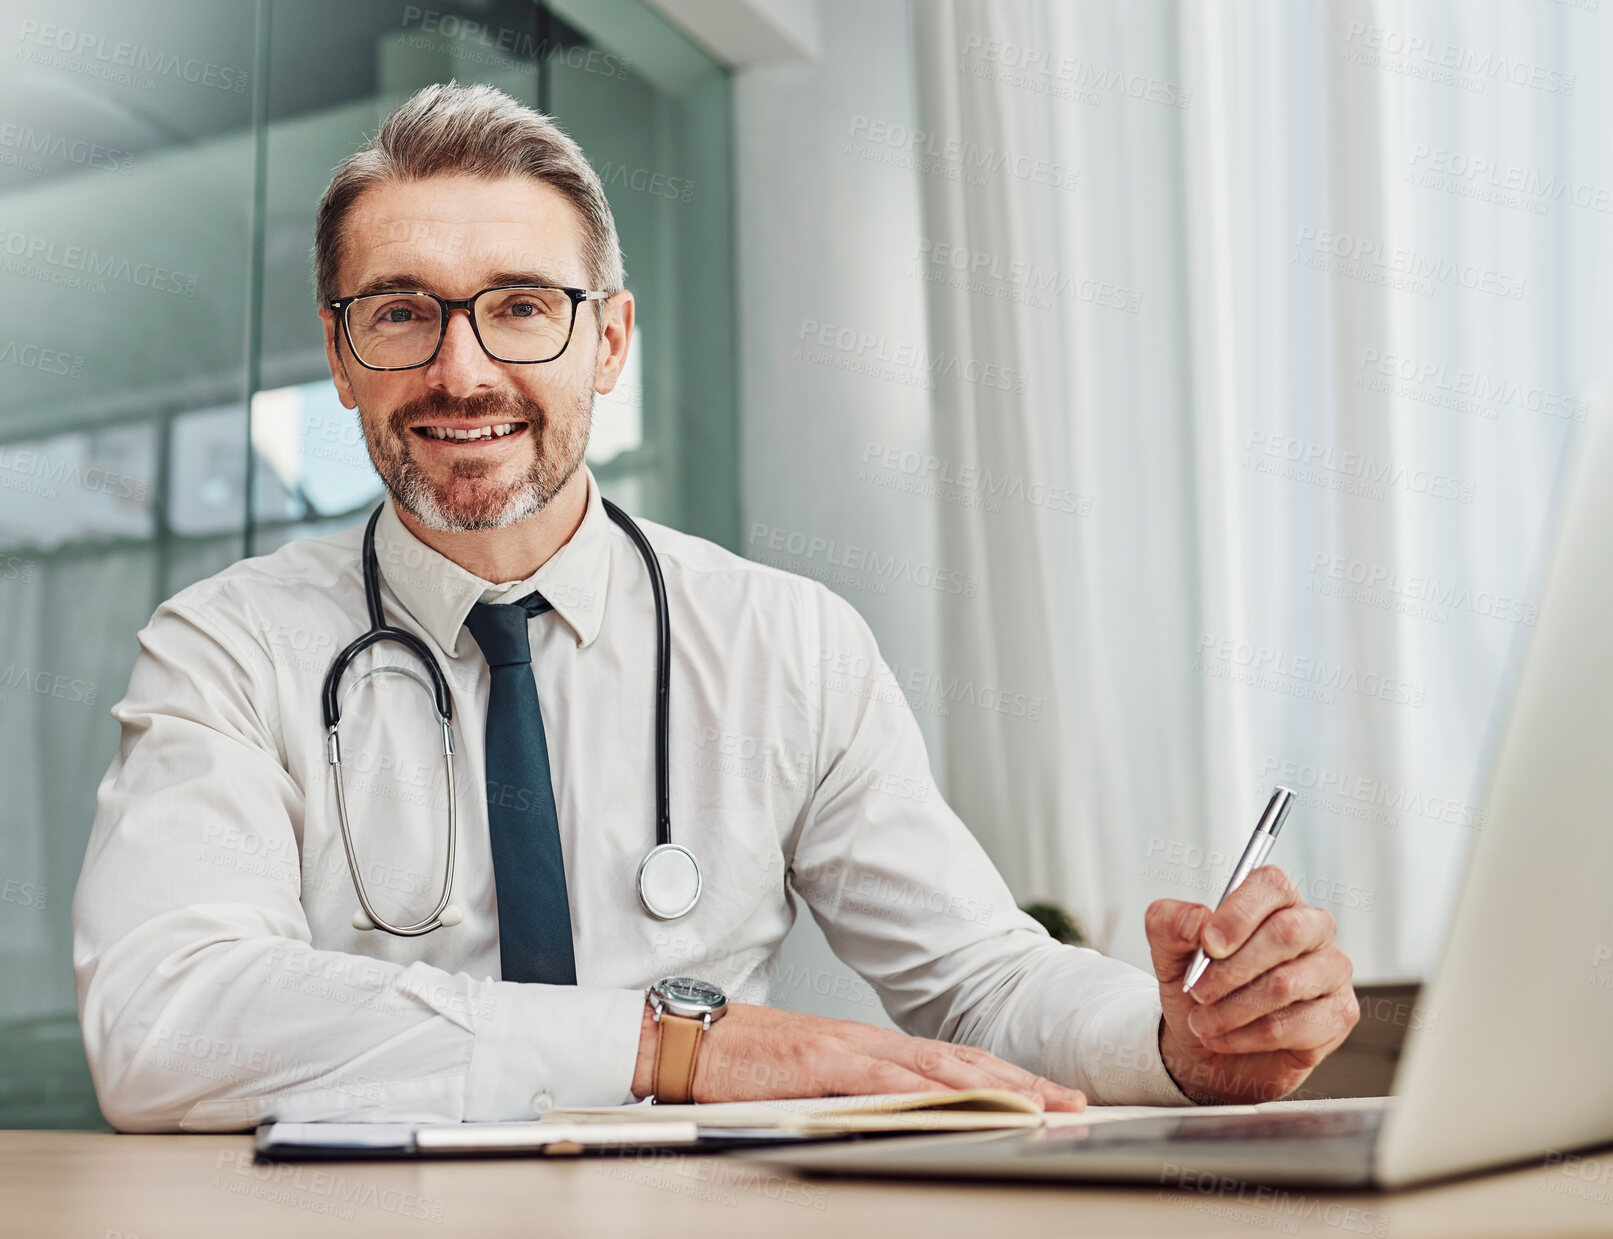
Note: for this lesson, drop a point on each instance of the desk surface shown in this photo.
(169, 1187)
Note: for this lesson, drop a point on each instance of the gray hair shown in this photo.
(479, 130)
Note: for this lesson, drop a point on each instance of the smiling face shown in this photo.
(527, 424)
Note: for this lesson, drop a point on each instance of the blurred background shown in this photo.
(1178, 389)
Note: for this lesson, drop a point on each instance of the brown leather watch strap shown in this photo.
(676, 1045)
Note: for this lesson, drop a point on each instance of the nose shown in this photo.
(462, 367)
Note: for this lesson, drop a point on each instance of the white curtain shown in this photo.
(1306, 300)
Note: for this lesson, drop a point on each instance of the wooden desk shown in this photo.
(95, 1185)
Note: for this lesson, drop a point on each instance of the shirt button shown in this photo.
(542, 1102)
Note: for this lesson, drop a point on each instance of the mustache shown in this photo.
(435, 406)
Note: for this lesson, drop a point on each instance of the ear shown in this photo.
(333, 356)
(616, 312)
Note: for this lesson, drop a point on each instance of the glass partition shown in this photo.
(165, 406)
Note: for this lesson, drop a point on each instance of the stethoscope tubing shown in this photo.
(437, 689)
(663, 669)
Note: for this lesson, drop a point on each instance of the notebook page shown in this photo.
(784, 1111)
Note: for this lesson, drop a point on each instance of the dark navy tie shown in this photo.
(529, 872)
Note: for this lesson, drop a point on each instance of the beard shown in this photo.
(472, 497)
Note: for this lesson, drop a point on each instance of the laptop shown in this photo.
(1518, 1064)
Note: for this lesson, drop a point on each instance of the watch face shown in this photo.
(692, 991)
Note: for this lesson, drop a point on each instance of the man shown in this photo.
(223, 975)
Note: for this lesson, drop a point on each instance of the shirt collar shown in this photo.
(439, 593)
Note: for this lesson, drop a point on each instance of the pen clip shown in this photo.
(1271, 821)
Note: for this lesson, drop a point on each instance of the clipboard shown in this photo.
(291, 1142)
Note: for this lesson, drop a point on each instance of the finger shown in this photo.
(1173, 929)
(967, 1066)
(1286, 934)
(1053, 1095)
(1300, 1026)
(883, 1075)
(1263, 892)
(1299, 980)
(964, 1066)
(941, 1061)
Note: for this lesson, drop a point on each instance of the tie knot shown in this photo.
(500, 629)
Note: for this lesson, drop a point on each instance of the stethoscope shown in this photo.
(668, 878)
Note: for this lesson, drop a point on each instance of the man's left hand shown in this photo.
(1275, 1000)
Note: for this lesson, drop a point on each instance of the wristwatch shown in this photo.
(683, 1008)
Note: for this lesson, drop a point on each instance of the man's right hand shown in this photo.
(753, 1053)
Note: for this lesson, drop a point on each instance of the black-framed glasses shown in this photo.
(519, 323)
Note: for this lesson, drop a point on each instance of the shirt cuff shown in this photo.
(548, 1046)
(1120, 1059)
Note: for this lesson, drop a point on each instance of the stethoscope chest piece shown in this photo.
(668, 881)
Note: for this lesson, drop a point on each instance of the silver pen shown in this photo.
(1271, 821)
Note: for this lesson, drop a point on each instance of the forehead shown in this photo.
(454, 230)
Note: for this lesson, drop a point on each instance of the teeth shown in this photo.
(484, 432)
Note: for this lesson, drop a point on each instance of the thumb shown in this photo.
(1173, 929)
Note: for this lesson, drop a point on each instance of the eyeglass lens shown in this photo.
(391, 330)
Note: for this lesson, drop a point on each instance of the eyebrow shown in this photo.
(408, 281)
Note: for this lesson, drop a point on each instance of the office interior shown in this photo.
(1179, 391)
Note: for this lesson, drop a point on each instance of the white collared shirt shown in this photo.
(221, 981)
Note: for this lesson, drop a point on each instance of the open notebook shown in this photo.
(980, 1109)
